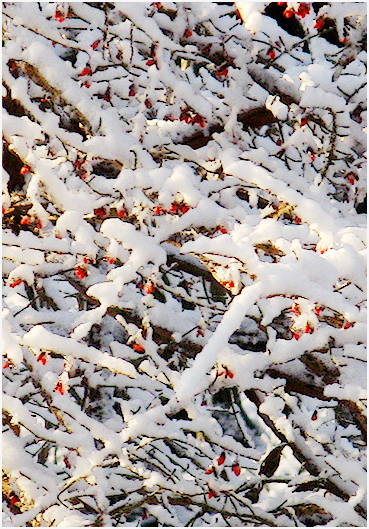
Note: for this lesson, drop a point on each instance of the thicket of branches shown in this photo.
(184, 264)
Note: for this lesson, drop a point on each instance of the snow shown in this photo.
(179, 301)
(38, 335)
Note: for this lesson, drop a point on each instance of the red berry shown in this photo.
(132, 90)
(14, 500)
(271, 54)
(26, 219)
(344, 41)
(80, 272)
(184, 209)
(229, 374)
(222, 229)
(303, 10)
(351, 177)
(221, 459)
(297, 335)
(288, 13)
(150, 62)
(137, 347)
(295, 309)
(347, 325)
(297, 220)
(173, 208)
(42, 357)
(95, 44)
(314, 416)
(87, 84)
(112, 260)
(221, 73)
(59, 16)
(319, 24)
(197, 119)
(100, 212)
(8, 363)
(281, 3)
(231, 284)
(209, 470)
(187, 33)
(24, 170)
(303, 122)
(122, 213)
(211, 494)
(236, 469)
(87, 259)
(86, 71)
(59, 388)
(318, 310)
(16, 283)
(158, 210)
(149, 288)
(308, 329)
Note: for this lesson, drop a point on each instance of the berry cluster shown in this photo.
(188, 116)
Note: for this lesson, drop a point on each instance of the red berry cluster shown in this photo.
(295, 309)
(221, 73)
(178, 208)
(59, 16)
(109, 259)
(192, 117)
(100, 213)
(80, 272)
(302, 10)
(236, 469)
